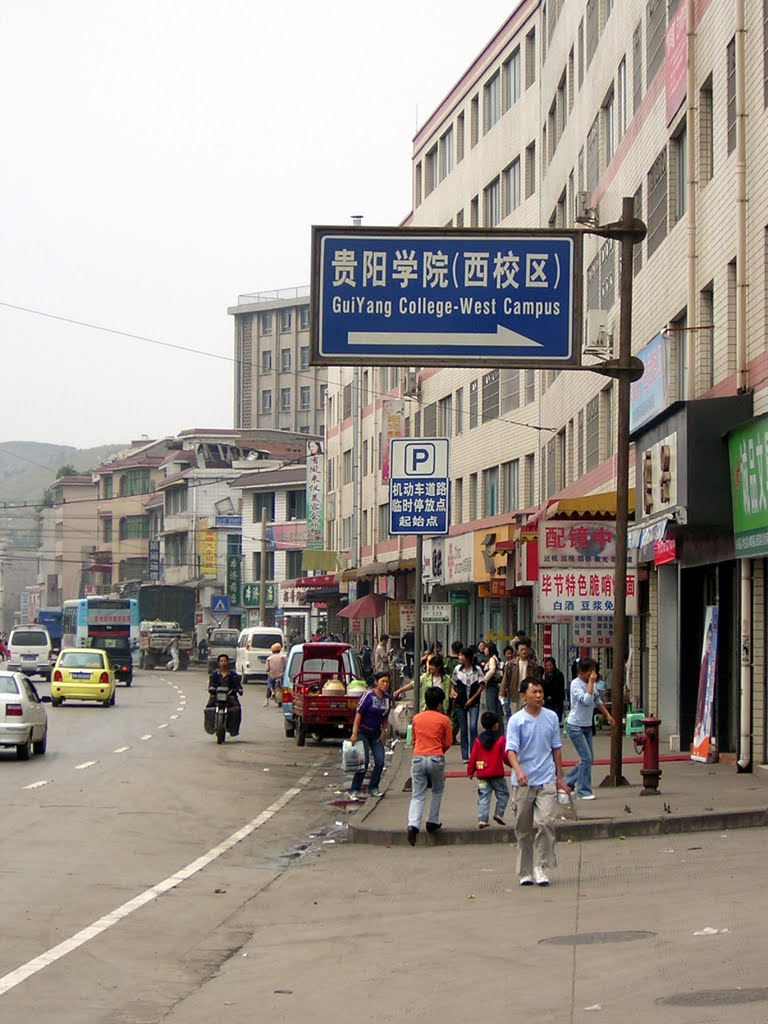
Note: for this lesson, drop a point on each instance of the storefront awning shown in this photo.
(379, 569)
(589, 505)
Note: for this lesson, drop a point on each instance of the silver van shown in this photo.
(30, 650)
(254, 646)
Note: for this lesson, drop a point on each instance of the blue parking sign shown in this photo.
(419, 486)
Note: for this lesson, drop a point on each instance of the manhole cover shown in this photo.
(716, 997)
(594, 938)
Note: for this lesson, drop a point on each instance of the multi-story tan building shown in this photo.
(275, 387)
(74, 525)
(570, 108)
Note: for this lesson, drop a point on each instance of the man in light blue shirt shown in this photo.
(534, 754)
(585, 701)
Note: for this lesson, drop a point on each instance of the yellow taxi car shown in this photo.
(83, 674)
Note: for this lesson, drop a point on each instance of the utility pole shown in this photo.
(626, 369)
(263, 574)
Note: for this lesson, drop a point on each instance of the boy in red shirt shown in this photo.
(432, 736)
(487, 760)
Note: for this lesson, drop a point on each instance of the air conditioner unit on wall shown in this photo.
(584, 212)
(598, 340)
(412, 384)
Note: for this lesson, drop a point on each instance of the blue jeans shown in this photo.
(424, 770)
(473, 714)
(373, 745)
(485, 790)
(580, 775)
(492, 702)
(461, 717)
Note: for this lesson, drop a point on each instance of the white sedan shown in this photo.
(23, 717)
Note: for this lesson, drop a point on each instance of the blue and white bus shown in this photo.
(86, 617)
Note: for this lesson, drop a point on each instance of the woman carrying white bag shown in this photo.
(370, 727)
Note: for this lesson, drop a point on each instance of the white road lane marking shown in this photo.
(85, 764)
(147, 737)
(163, 726)
(121, 750)
(37, 785)
(179, 709)
(38, 963)
(174, 717)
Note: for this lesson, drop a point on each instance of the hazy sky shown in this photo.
(158, 158)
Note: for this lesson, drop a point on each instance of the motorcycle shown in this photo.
(224, 715)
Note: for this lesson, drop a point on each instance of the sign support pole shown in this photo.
(628, 231)
(263, 575)
(418, 628)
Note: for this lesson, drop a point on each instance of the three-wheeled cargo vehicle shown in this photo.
(324, 686)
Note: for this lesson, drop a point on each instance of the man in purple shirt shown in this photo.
(370, 726)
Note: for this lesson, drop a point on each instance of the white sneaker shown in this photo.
(587, 796)
(526, 880)
(540, 876)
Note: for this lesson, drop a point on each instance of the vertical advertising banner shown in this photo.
(233, 580)
(315, 495)
(393, 412)
(703, 747)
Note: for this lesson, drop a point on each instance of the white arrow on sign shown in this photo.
(503, 338)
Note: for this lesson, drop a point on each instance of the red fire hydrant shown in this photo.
(647, 744)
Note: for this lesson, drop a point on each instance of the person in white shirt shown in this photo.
(585, 703)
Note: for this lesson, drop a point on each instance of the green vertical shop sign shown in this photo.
(748, 459)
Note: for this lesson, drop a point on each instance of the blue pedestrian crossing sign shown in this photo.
(220, 604)
(419, 486)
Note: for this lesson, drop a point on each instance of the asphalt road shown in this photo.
(127, 799)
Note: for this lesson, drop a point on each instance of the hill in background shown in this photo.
(27, 468)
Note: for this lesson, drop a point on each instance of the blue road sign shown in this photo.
(415, 296)
(220, 604)
(418, 486)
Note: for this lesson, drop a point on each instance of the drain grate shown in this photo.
(716, 997)
(594, 938)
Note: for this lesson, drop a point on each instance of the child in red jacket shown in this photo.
(487, 761)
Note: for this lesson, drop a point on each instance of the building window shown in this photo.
(304, 357)
(580, 46)
(491, 102)
(592, 439)
(474, 117)
(269, 565)
(429, 420)
(266, 401)
(530, 386)
(680, 144)
(285, 360)
(263, 500)
(347, 466)
(609, 126)
(346, 398)
(266, 360)
(106, 532)
(491, 396)
(580, 443)
(266, 322)
(107, 487)
(492, 199)
(637, 67)
(134, 528)
(510, 486)
(304, 394)
(530, 479)
(285, 320)
(510, 79)
(457, 502)
(621, 100)
(510, 390)
(473, 402)
(679, 342)
(460, 411)
(346, 533)
(446, 153)
(417, 185)
(657, 202)
(706, 332)
(323, 394)
(731, 94)
(593, 155)
(706, 147)
(474, 214)
(510, 190)
(460, 137)
(285, 399)
(655, 30)
(491, 491)
(135, 481)
(530, 58)
(365, 456)
(593, 29)
(530, 170)
(473, 497)
(430, 171)
(293, 564)
(303, 318)
(445, 416)
(606, 400)
(383, 521)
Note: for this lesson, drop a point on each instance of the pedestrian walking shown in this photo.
(521, 666)
(487, 762)
(370, 726)
(275, 669)
(554, 687)
(434, 676)
(534, 754)
(381, 655)
(467, 689)
(585, 701)
(173, 650)
(492, 679)
(432, 736)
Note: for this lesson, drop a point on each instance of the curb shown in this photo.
(572, 831)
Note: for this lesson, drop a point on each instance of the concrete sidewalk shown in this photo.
(693, 797)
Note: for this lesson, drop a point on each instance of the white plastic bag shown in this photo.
(352, 756)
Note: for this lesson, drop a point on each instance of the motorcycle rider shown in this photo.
(225, 676)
